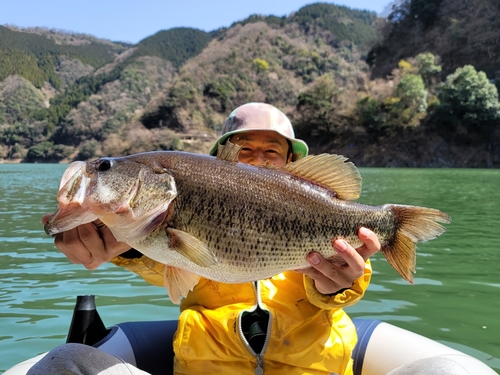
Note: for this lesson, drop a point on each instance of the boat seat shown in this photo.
(151, 344)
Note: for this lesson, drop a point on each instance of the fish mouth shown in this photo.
(70, 213)
(68, 218)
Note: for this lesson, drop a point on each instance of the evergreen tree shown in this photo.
(470, 99)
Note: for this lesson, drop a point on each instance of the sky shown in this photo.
(133, 20)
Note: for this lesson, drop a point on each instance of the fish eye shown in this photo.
(105, 165)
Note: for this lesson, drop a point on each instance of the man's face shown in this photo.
(261, 146)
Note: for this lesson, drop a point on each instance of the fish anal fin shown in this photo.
(191, 248)
(331, 171)
(228, 151)
(179, 282)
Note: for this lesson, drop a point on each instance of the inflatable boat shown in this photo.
(381, 346)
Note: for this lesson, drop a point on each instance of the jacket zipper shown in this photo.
(259, 369)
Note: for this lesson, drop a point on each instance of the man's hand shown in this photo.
(330, 277)
(89, 244)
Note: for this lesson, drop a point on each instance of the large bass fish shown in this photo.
(232, 222)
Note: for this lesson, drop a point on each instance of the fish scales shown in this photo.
(233, 222)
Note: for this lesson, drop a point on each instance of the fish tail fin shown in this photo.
(179, 282)
(413, 225)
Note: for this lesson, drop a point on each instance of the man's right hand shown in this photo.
(89, 244)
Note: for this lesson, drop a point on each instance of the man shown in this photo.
(292, 323)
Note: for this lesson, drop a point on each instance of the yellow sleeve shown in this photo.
(147, 268)
(346, 297)
(153, 273)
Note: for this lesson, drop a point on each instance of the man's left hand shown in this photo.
(330, 277)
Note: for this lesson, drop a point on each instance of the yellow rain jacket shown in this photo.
(308, 332)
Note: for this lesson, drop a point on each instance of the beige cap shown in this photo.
(260, 116)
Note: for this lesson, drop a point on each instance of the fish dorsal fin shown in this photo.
(228, 151)
(191, 248)
(331, 171)
(179, 282)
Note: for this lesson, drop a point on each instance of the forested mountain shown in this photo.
(460, 32)
(175, 45)
(37, 57)
(352, 83)
(344, 24)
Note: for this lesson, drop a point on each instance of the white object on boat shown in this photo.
(386, 347)
(382, 347)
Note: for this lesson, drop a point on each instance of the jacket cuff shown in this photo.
(151, 271)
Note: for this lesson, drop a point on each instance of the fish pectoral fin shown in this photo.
(228, 151)
(331, 171)
(191, 248)
(179, 282)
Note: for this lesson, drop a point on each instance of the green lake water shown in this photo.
(455, 298)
